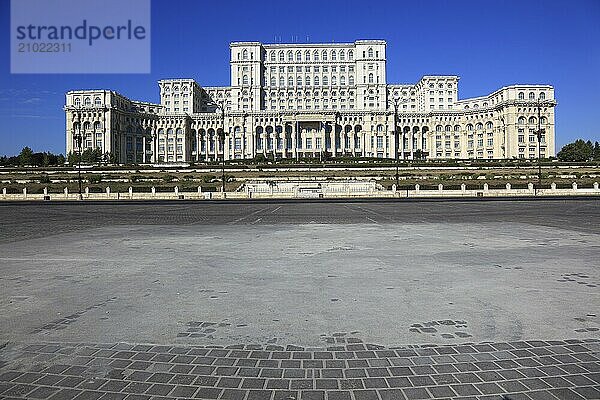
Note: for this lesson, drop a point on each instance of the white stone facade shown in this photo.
(311, 100)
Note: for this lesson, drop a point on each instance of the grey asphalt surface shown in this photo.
(285, 277)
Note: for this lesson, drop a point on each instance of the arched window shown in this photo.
(333, 80)
(272, 56)
(466, 107)
(245, 54)
(542, 96)
(456, 128)
(307, 55)
(447, 128)
(97, 101)
(543, 120)
(299, 80)
(370, 78)
(521, 96)
(245, 80)
(86, 126)
(298, 56)
(342, 80)
(469, 127)
(316, 81)
(370, 52)
(97, 126)
(379, 128)
(77, 101)
(521, 120)
(325, 81)
(531, 96)
(350, 55)
(342, 55)
(532, 120)
(281, 56)
(489, 125)
(281, 81)
(479, 126)
(178, 131)
(272, 81)
(316, 55)
(170, 131)
(290, 81)
(324, 55)
(87, 101)
(333, 55)
(290, 56)
(351, 80)
(439, 128)
(307, 81)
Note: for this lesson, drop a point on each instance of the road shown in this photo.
(301, 300)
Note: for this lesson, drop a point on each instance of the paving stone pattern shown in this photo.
(544, 370)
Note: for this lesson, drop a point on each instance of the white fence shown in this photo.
(308, 189)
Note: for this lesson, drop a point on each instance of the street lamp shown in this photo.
(221, 135)
(539, 132)
(79, 139)
(397, 102)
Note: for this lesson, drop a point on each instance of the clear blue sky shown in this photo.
(489, 44)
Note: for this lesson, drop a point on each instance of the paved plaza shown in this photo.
(326, 300)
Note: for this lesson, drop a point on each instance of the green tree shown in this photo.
(26, 156)
(578, 151)
(596, 154)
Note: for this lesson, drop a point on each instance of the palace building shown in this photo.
(310, 100)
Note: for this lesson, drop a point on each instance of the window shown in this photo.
(333, 55)
(379, 142)
(245, 54)
(281, 81)
(532, 120)
(342, 80)
(316, 81)
(290, 81)
(316, 55)
(298, 56)
(281, 56)
(350, 55)
(531, 96)
(521, 138)
(489, 125)
(370, 78)
(309, 143)
(97, 101)
(245, 80)
(342, 55)
(324, 55)
(370, 52)
(333, 80)
(307, 55)
(272, 56)
(521, 121)
(325, 81)
(87, 101)
(290, 56)
(479, 126)
(542, 96)
(521, 96)
(307, 81)
(272, 81)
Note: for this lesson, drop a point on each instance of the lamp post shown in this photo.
(539, 134)
(397, 102)
(79, 139)
(221, 135)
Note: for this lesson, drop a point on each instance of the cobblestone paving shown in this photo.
(544, 370)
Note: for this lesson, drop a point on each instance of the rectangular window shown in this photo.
(309, 143)
(318, 142)
(379, 142)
